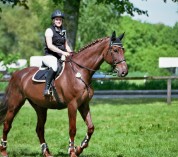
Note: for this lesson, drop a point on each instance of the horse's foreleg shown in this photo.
(41, 115)
(85, 113)
(72, 113)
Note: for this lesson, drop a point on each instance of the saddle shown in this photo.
(40, 75)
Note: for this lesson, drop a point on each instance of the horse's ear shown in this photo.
(113, 37)
(121, 36)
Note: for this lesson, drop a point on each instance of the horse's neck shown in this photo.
(92, 57)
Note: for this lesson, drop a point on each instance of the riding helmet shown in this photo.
(57, 13)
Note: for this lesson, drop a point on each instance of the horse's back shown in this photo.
(23, 74)
(21, 77)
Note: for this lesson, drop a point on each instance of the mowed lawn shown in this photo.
(123, 128)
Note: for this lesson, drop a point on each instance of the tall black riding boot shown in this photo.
(49, 79)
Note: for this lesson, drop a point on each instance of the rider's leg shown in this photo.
(49, 79)
(51, 62)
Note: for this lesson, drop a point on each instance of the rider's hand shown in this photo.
(66, 54)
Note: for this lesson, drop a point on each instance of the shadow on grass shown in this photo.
(25, 153)
(61, 154)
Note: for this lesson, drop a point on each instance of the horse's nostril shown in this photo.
(123, 73)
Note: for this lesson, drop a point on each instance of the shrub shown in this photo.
(126, 85)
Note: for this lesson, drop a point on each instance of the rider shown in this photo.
(55, 46)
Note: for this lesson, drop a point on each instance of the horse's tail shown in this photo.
(3, 111)
(3, 107)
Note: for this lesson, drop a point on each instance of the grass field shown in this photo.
(123, 128)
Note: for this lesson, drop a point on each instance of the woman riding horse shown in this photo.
(73, 87)
(55, 46)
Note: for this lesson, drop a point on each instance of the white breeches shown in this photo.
(50, 61)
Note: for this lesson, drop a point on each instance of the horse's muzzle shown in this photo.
(121, 70)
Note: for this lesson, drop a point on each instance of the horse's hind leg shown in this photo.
(85, 113)
(41, 115)
(14, 101)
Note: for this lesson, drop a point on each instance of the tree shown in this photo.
(72, 10)
(146, 43)
(96, 20)
(16, 2)
(17, 34)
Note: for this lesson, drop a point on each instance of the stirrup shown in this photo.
(46, 92)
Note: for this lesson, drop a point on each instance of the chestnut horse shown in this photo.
(73, 88)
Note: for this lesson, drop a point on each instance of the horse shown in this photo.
(73, 88)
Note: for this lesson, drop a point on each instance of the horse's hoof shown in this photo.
(4, 154)
(47, 154)
(73, 154)
(78, 150)
(3, 151)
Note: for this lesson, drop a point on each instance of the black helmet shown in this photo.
(57, 13)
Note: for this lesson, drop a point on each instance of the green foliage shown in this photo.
(22, 31)
(16, 2)
(133, 85)
(92, 27)
(124, 6)
(3, 85)
(146, 43)
(7, 60)
(42, 10)
(20, 34)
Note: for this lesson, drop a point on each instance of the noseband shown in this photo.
(114, 63)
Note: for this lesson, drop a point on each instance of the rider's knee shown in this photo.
(54, 68)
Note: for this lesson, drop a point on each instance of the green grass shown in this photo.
(123, 128)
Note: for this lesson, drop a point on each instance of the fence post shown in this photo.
(169, 91)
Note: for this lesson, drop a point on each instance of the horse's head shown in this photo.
(115, 55)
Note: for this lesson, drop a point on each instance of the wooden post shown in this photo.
(169, 91)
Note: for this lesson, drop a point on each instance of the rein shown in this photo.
(109, 50)
(70, 60)
(81, 65)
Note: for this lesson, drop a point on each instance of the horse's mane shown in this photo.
(92, 43)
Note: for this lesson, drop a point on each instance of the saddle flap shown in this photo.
(40, 75)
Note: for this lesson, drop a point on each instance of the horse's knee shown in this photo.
(72, 132)
(91, 129)
(7, 127)
(39, 130)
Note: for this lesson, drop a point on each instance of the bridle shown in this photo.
(114, 63)
(70, 60)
